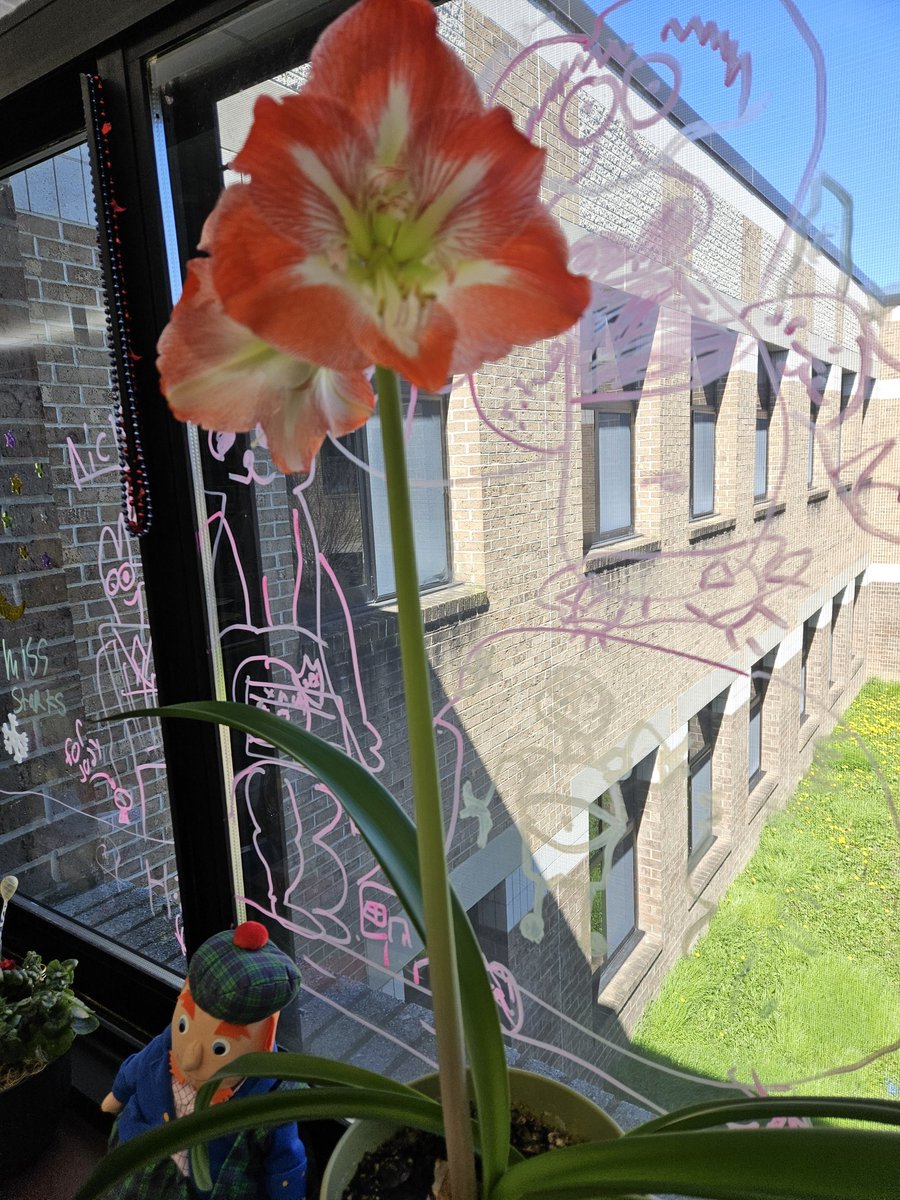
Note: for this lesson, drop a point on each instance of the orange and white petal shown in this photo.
(216, 373)
(386, 63)
(307, 158)
(329, 402)
(204, 359)
(476, 177)
(425, 362)
(303, 308)
(533, 296)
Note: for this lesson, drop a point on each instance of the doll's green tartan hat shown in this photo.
(236, 976)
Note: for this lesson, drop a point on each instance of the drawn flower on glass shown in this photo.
(389, 218)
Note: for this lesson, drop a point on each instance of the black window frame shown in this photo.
(48, 46)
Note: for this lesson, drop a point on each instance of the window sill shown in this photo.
(808, 730)
(617, 554)
(761, 792)
(702, 870)
(768, 508)
(844, 486)
(816, 495)
(454, 602)
(616, 985)
(705, 527)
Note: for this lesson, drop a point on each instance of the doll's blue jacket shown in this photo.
(144, 1086)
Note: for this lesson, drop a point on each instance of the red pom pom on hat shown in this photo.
(250, 936)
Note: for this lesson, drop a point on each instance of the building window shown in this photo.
(613, 867)
(809, 632)
(759, 683)
(770, 366)
(347, 505)
(618, 344)
(703, 730)
(848, 379)
(851, 632)
(712, 350)
(818, 381)
(832, 627)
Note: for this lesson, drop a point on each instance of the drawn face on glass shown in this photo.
(202, 1044)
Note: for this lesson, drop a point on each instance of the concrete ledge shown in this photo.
(710, 526)
(614, 992)
(768, 508)
(706, 868)
(816, 495)
(617, 554)
(452, 603)
(763, 791)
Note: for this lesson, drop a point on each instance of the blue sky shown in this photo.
(860, 45)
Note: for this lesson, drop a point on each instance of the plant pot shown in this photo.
(30, 1113)
(578, 1115)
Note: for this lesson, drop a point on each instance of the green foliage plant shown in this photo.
(40, 1015)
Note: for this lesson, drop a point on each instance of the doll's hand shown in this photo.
(110, 1104)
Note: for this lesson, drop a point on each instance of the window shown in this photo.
(848, 379)
(618, 348)
(347, 506)
(84, 808)
(759, 683)
(613, 866)
(852, 624)
(809, 633)
(712, 350)
(818, 381)
(832, 627)
(770, 366)
(703, 730)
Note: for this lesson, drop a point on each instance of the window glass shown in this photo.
(84, 818)
(614, 456)
(425, 466)
(555, 674)
(703, 464)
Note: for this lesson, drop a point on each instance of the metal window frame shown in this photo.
(606, 964)
(628, 407)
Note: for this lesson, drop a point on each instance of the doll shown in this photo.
(229, 1006)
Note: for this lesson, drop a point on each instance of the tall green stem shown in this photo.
(441, 946)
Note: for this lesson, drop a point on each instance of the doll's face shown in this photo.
(202, 1044)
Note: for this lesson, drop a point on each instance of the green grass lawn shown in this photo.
(799, 970)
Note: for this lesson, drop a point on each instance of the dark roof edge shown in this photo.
(577, 16)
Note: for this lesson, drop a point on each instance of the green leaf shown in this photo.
(391, 836)
(299, 1068)
(718, 1112)
(273, 1108)
(765, 1164)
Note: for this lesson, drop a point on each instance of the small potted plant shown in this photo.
(392, 218)
(40, 1016)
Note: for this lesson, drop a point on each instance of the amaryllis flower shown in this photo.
(399, 221)
(218, 374)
